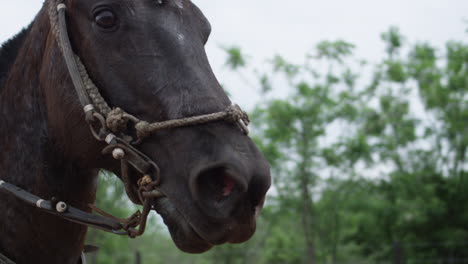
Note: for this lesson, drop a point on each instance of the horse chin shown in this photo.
(190, 239)
(182, 233)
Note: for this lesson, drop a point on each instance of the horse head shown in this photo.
(148, 58)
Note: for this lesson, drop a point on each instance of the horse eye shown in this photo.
(105, 19)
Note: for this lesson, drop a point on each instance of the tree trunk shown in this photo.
(137, 257)
(398, 253)
(307, 222)
(336, 237)
(307, 202)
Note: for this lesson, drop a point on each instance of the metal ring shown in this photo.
(131, 118)
(101, 120)
(95, 134)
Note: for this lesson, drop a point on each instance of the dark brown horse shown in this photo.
(147, 57)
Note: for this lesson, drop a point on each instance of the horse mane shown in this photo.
(9, 51)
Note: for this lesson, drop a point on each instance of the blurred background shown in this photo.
(361, 108)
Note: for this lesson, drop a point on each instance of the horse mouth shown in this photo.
(188, 237)
(182, 233)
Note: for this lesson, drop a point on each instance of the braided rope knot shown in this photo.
(116, 120)
(143, 129)
(235, 114)
(144, 181)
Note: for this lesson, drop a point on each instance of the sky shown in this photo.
(291, 28)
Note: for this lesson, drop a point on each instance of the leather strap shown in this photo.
(5, 260)
(69, 56)
(70, 213)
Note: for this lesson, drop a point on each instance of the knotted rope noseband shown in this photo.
(109, 125)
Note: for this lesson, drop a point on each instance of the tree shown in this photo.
(293, 129)
(367, 166)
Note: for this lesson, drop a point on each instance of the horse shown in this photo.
(146, 106)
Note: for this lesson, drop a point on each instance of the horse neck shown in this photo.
(30, 158)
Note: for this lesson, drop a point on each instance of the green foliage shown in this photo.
(281, 65)
(236, 59)
(393, 39)
(334, 50)
(411, 158)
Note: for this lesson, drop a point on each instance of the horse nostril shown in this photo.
(217, 184)
(228, 185)
(218, 190)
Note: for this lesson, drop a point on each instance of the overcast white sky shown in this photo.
(293, 27)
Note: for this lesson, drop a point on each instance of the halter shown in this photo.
(109, 125)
